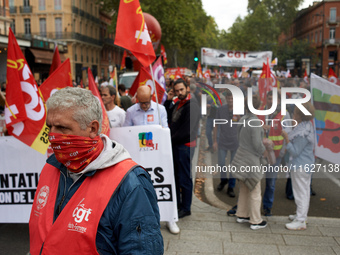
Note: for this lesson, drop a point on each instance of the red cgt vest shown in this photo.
(75, 230)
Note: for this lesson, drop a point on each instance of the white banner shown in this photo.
(326, 100)
(20, 167)
(232, 58)
(150, 147)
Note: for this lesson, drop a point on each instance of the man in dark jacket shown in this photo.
(184, 128)
(91, 197)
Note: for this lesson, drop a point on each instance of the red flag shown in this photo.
(332, 76)
(56, 62)
(25, 113)
(235, 74)
(144, 78)
(163, 53)
(93, 88)
(207, 74)
(132, 32)
(199, 70)
(122, 65)
(59, 79)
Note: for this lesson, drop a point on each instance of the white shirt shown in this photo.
(116, 116)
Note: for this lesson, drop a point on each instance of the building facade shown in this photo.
(319, 24)
(73, 26)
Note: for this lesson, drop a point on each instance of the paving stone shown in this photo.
(167, 235)
(319, 221)
(208, 216)
(303, 250)
(244, 227)
(196, 246)
(279, 228)
(309, 240)
(330, 231)
(205, 235)
(257, 238)
(200, 225)
(170, 253)
(337, 239)
(246, 248)
(336, 249)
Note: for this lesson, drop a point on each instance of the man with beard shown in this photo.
(91, 197)
(184, 127)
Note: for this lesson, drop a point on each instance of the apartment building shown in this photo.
(320, 25)
(73, 26)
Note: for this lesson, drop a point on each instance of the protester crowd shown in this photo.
(181, 112)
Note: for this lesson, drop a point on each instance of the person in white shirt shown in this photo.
(115, 114)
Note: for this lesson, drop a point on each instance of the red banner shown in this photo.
(25, 112)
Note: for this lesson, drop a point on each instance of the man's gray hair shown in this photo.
(85, 105)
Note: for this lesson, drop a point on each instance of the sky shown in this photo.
(225, 12)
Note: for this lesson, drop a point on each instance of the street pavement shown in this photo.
(208, 230)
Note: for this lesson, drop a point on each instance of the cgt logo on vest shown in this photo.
(80, 213)
(238, 106)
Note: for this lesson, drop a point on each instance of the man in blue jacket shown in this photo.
(91, 197)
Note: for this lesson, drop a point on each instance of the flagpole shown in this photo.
(154, 87)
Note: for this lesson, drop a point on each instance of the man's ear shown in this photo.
(94, 125)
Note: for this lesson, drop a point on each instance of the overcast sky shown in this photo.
(226, 11)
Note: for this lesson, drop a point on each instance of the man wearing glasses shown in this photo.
(145, 112)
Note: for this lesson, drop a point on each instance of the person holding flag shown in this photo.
(91, 197)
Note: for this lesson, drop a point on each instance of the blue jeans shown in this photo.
(268, 197)
(221, 162)
(182, 158)
(209, 126)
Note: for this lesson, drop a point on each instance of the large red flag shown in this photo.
(56, 62)
(235, 74)
(59, 79)
(93, 88)
(132, 32)
(144, 78)
(25, 113)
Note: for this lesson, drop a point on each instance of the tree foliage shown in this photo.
(186, 28)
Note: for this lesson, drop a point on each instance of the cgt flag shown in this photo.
(56, 62)
(93, 88)
(144, 78)
(60, 78)
(132, 32)
(25, 113)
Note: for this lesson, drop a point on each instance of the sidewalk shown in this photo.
(208, 230)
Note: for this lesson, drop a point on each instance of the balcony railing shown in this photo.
(75, 10)
(87, 15)
(332, 41)
(333, 20)
(25, 9)
(65, 36)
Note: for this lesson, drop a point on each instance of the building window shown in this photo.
(11, 3)
(26, 3)
(332, 33)
(42, 24)
(321, 36)
(57, 4)
(58, 28)
(316, 37)
(42, 5)
(13, 25)
(85, 7)
(27, 23)
(332, 15)
(80, 25)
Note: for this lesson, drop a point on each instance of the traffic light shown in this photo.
(196, 56)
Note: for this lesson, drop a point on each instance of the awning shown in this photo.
(45, 56)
